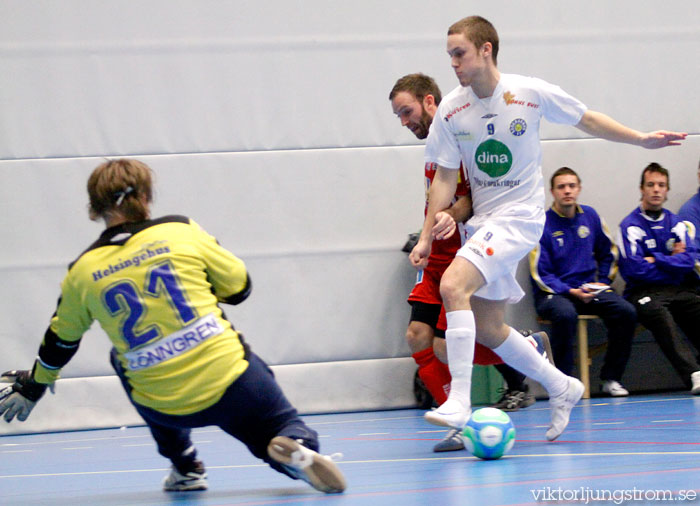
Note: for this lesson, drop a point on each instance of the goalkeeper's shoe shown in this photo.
(193, 479)
(317, 470)
(20, 398)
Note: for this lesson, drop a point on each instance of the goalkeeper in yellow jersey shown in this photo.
(154, 286)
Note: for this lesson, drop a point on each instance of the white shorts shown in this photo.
(495, 244)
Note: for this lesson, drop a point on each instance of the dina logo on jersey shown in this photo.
(494, 158)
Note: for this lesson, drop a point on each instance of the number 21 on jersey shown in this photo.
(126, 300)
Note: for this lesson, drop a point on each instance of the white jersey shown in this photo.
(497, 138)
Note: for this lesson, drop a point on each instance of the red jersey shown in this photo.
(445, 250)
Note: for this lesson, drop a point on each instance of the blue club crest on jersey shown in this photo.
(518, 127)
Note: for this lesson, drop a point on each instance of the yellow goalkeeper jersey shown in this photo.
(154, 287)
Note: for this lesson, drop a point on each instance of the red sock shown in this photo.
(485, 356)
(434, 374)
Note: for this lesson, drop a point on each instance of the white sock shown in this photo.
(460, 339)
(518, 353)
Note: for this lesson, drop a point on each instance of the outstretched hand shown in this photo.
(662, 138)
(19, 398)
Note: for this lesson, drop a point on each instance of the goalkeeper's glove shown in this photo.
(19, 398)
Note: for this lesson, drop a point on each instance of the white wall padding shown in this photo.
(361, 385)
(96, 78)
(329, 279)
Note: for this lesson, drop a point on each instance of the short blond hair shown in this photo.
(478, 30)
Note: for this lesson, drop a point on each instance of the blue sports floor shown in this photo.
(638, 450)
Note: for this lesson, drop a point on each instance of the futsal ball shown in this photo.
(489, 434)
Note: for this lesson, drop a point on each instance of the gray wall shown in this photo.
(269, 123)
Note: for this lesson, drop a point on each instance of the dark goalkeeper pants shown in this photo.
(618, 315)
(253, 410)
(659, 309)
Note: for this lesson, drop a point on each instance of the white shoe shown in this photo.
(562, 405)
(195, 479)
(695, 379)
(450, 414)
(317, 470)
(614, 389)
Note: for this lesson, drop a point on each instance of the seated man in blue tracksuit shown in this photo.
(571, 268)
(658, 264)
(690, 211)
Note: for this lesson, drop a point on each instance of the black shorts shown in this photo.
(428, 314)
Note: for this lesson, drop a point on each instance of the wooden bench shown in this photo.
(584, 359)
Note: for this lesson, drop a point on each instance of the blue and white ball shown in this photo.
(489, 434)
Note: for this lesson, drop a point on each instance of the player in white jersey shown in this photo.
(490, 123)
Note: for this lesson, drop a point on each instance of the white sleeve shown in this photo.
(442, 147)
(558, 106)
